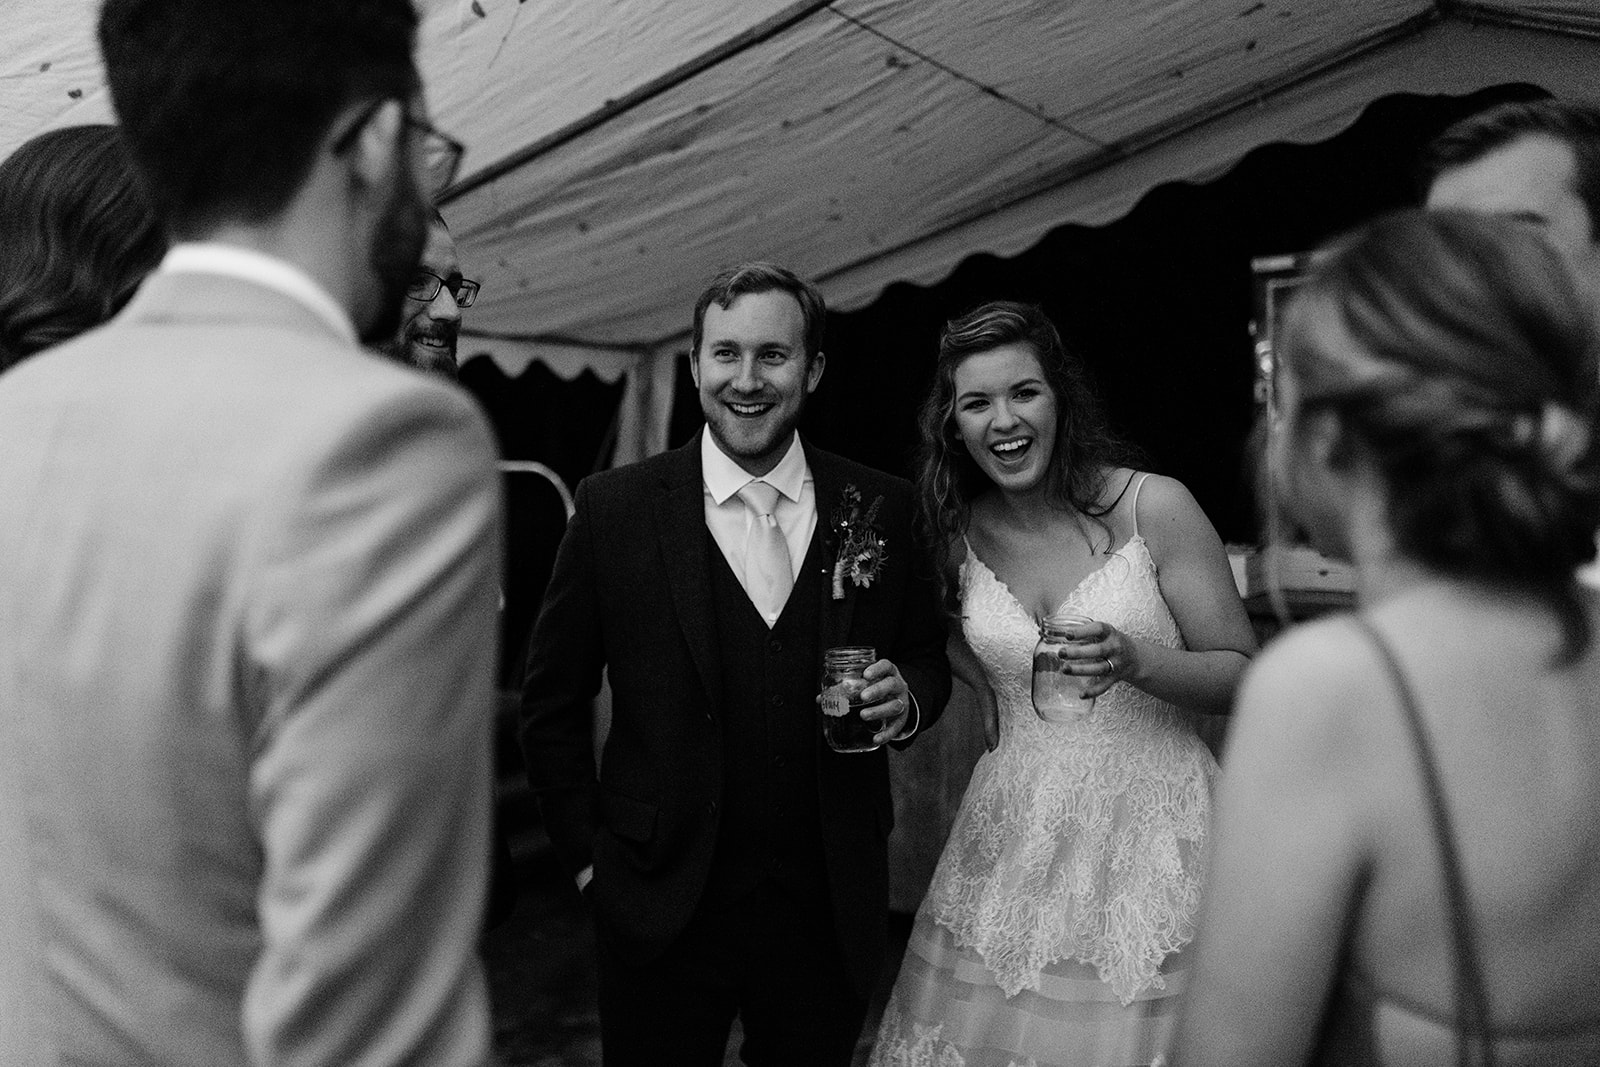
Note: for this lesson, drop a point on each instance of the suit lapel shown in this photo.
(827, 481)
(684, 540)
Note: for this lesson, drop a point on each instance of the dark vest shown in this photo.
(771, 733)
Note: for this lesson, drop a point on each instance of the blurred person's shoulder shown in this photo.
(242, 387)
(1315, 687)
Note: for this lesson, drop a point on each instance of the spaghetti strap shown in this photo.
(1471, 996)
(1135, 505)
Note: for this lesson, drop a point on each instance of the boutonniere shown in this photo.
(861, 543)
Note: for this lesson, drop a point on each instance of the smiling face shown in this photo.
(1006, 416)
(753, 376)
(427, 335)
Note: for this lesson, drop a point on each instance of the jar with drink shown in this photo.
(842, 683)
(1057, 695)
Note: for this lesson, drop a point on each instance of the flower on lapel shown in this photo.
(861, 544)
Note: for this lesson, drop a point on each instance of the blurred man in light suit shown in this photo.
(247, 586)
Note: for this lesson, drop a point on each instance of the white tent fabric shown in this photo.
(620, 151)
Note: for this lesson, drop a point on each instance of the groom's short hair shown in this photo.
(224, 103)
(761, 277)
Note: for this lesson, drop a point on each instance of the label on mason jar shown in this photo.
(836, 702)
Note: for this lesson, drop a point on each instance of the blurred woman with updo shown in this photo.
(76, 238)
(1407, 867)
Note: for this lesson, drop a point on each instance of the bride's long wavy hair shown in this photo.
(947, 476)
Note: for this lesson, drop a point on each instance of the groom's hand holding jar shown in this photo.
(888, 702)
(865, 701)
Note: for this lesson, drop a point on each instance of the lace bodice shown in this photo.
(1123, 591)
(1084, 840)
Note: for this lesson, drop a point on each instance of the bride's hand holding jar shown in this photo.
(1094, 653)
(1108, 656)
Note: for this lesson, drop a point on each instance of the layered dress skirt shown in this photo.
(1053, 929)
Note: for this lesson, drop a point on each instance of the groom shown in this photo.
(734, 863)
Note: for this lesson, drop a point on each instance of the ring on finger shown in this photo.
(1111, 668)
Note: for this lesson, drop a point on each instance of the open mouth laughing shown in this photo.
(438, 342)
(1012, 450)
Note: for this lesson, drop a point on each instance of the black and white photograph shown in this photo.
(799, 533)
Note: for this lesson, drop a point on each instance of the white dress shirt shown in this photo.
(729, 520)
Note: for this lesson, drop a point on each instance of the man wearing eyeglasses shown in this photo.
(426, 340)
(248, 580)
(438, 294)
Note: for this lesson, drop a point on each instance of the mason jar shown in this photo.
(1058, 696)
(842, 682)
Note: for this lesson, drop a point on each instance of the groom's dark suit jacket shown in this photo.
(714, 769)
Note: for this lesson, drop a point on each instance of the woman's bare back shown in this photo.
(1517, 744)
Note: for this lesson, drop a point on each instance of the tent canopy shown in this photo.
(621, 151)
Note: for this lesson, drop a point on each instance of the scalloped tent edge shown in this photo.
(621, 150)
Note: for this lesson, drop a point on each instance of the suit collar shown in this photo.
(684, 544)
(194, 298)
(248, 264)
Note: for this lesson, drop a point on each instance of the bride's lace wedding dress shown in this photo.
(1073, 871)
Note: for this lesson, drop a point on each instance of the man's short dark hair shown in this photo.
(1574, 123)
(223, 103)
(758, 277)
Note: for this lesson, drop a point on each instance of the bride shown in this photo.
(1052, 930)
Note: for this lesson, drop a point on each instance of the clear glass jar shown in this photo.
(842, 682)
(1058, 696)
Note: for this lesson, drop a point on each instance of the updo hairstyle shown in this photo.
(1458, 353)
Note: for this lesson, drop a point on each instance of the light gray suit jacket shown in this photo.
(248, 582)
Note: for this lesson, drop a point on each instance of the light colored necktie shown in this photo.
(768, 575)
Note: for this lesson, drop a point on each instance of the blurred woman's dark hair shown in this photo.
(77, 237)
(1458, 354)
(1085, 448)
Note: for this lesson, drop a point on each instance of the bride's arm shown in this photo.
(964, 663)
(1198, 587)
(965, 666)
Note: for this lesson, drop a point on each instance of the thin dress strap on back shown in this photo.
(1135, 505)
(1472, 999)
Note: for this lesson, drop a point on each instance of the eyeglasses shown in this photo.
(441, 154)
(425, 286)
(441, 157)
